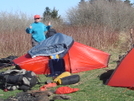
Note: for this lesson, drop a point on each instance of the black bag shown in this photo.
(18, 79)
(70, 80)
(6, 62)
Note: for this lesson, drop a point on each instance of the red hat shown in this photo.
(36, 16)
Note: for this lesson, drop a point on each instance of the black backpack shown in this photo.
(18, 79)
(6, 62)
(50, 33)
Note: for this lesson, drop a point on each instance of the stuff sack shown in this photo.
(64, 74)
(69, 80)
(18, 79)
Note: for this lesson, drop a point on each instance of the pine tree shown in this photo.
(50, 14)
(54, 14)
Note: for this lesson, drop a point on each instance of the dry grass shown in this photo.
(14, 43)
(98, 37)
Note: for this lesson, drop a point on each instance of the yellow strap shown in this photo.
(54, 56)
(59, 81)
(64, 74)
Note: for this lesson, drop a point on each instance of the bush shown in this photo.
(116, 15)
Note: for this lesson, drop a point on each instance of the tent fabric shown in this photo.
(123, 75)
(84, 58)
(79, 58)
(53, 45)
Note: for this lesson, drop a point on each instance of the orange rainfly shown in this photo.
(79, 58)
(123, 75)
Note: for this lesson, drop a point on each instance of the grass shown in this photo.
(91, 89)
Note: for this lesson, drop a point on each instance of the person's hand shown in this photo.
(30, 27)
(49, 23)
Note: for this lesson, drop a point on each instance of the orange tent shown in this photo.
(123, 75)
(78, 59)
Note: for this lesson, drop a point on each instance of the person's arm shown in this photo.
(29, 29)
(48, 27)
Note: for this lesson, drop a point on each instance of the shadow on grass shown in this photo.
(106, 75)
(1, 86)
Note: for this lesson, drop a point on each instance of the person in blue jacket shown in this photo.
(37, 30)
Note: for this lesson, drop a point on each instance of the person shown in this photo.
(37, 30)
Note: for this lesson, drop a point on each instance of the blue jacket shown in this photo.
(37, 31)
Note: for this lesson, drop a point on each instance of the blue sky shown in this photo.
(32, 7)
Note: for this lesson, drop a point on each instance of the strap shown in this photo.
(54, 56)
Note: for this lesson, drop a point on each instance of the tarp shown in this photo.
(79, 58)
(123, 75)
(56, 44)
